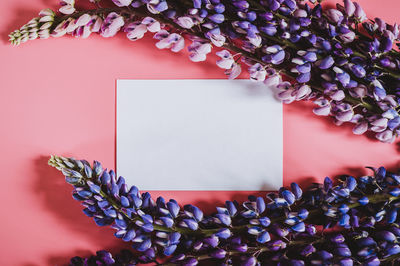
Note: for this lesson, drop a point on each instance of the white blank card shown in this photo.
(199, 135)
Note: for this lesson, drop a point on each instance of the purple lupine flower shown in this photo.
(234, 72)
(67, 7)
(151, 24)
(185, 22)
(350, 7)
(157, 7)
(217, 39)
(359, 13)
(334, 15)
(135, 30)
(111, 25)
(386, 136)
(273, 79)
(173, 41)
(226, 61)
(344, 112)
(95, 187)
(122, 3)
(365, 73)
(285, 92)
(324, 108)
(199, 50)
(257, 72)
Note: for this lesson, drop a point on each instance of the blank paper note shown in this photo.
(199, 135)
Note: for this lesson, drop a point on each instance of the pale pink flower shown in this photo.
(348, 37)
(302, 92)
(226, 61)
(256, 41)
(273, 80)
(173, 41)
(97, 24)
(185, 22)
(196, 57)
(46, 12)
(135, 31)
(324, 108)
(360, 128)
(379, 125)
(179, 44)
(151, 24)
(334, 15)
(217, 39)
(337, 95)
(71, 26)
(199, 50)
(350, 8)
(67, 9)
(61, 28)
(122, 3)
(48, 18)
(257, 72)
(234, 72)
(285, 92)
(386, 136)
(111, 25)
(359, 13)
(83, 20)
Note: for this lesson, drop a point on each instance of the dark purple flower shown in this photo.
(218, 254)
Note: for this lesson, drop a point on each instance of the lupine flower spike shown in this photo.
(348, 222)
(352, 75)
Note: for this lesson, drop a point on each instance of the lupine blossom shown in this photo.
(288, 227)
(347, 72)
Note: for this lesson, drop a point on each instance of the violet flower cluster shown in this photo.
(345, 64)
(351, 223)
(125, 257)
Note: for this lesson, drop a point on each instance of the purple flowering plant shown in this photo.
(347, 65)
(353, 222)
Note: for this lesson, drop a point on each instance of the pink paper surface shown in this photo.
(58, 97)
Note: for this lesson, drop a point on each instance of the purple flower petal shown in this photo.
(278, 58)
(350, 8)
(322, 111)
(386, 136)
(304, 77)
(235, 71)
(326, 63)
(334, 15)
(185, 22)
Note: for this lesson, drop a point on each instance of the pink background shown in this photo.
(58, 97)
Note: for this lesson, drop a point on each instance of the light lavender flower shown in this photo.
(226, 61)
(199, 50)
(173, 41)
(112, 25)
(257, 72)
(67, 7)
